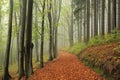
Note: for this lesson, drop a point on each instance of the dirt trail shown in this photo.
(65, 67)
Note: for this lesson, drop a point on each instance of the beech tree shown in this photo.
(42, 35)
(49, 5)
(6, 75)
(22, 48)
(28, 45)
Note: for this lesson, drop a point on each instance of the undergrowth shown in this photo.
(106, 64)
(97, 40)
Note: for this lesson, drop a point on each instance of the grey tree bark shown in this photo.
(113, 14)
(88, 21)
(109, 16)
(118, 14)
(71, 27)
(50, 27)
(28, 67)
(95, 19)
(6, 75)
(103, 17)
(36, 28)
(42, 36)
(22, 34)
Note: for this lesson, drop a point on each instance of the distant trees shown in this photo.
(71, 26)
(56, 16)
(6, 75)
(95, 17)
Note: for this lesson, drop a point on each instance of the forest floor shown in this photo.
(65, 67)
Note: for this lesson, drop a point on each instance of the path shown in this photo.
(65, 67)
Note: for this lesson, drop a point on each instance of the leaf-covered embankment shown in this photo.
(105, 57)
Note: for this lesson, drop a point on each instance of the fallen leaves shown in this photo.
(65, 67)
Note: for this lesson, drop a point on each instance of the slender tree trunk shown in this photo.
(20, 14)
(85, 35)
(28, 39)
(30, 59)
(95, 19)
(56, 29)
(22, 48)
(81, 25)
(88, 21)
(50, 25)
(113, 14)
(71, 26)
(36, 37)
(109, 16)
(78, 25)
(103, 17)
(42, 37)
(118, 14)
(17, 32)
(6, 75)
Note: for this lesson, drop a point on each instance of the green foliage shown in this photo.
(77, 48)
(115, 36)
(96, 40)
(117, 48)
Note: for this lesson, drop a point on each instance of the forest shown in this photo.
(60, 40)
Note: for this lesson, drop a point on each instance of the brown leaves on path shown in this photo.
(65, 67)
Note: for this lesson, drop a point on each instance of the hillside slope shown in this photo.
(105, 57)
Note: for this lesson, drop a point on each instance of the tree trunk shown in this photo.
(118, 14)
(78, 25)
(17, 33)
(56, 28)
(88, 21)
(22, 48)
(28, 38)
(50, 25)
(95, 19)
(113, 14)
(71, 27)
(109, 16)
(85, 22)
(6, 75)
(42, 37)
(103, 17)
(36, 37)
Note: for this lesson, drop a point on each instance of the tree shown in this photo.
(28, 67)
(56, 17)
(71, 26)
(42, 36)
(113, 14)
(36, 35)
(50, 27)
(22, 48)
(88, 21)
(118, 14)
(6, 75)
(103, 17)
(109, 16)
(95, 19)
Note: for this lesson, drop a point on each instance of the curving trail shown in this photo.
(65, 67)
